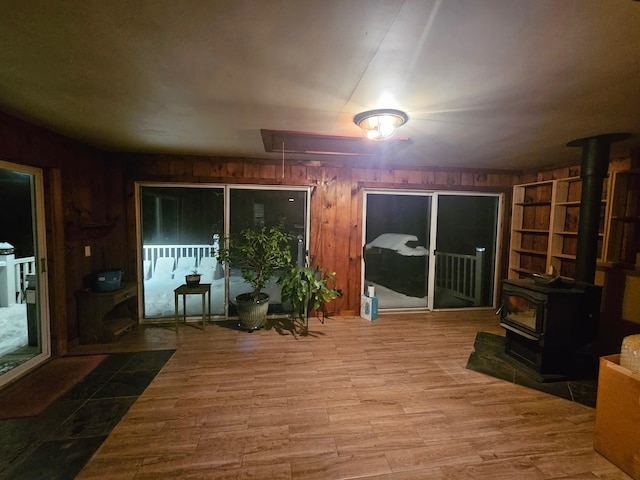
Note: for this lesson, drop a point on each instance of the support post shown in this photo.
(7, 275)
(593, 171)
(477, 294)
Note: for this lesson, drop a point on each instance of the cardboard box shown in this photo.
(369, 307)
(617, 432)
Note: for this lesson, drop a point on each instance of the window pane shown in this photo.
(396, 250)
(178, 227)
(257, 208)
(465, 250)
(21, 289)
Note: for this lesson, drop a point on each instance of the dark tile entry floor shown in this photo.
(489, 358)
(58, 443)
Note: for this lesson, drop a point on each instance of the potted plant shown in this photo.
(307, 289)
(258, 253)
(193, 278)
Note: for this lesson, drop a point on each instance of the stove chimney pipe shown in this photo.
(593, 170)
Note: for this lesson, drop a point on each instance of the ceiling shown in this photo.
(501, 84)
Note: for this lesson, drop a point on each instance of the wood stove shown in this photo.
(548, 328)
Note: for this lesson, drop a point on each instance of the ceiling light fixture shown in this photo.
(380, 124)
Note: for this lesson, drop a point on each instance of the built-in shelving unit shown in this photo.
(544, 227)
(530, 227)
(624, 218)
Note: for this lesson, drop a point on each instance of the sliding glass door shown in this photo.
(432, 250)
(182, 227)
(396, 250)
(24, 320)
(465, 250)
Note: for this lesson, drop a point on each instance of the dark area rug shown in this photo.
(57, 443)
(32, 394)
(489, 358)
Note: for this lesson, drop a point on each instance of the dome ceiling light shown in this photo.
(380, 124)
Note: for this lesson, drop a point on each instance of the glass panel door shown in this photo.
(180, 232)
(396, 251)
(181, 228)
(465, 253)
(24, 321)
(257, 207)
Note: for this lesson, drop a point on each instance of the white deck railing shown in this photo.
(151, 253)
(13, 278)
(461, 275)
(23, 267)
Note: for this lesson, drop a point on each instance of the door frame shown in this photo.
(431, 255)
(226, 187)
(40, 254)
(434, 195)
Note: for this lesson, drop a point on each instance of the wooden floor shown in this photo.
(385, 400)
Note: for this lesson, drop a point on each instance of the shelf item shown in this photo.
(544, 227)
(104, 316)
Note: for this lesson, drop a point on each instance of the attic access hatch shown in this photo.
(320, 144)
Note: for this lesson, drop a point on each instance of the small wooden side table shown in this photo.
(203, 289)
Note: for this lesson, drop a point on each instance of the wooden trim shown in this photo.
(54, 221)
(431, 187)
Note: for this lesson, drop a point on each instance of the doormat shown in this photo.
(33, 393)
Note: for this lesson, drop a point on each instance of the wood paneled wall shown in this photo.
(336, 200)
(90, 200)
(83, 189)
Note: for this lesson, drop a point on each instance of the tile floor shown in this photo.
(489, 358)
(56, 444)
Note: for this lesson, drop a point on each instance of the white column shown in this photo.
(7, 275)
(478, 274)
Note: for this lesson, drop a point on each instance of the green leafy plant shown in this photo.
(307, 289)
(258, 253)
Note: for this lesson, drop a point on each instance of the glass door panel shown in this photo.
(24, 324)
(465, 254)
(251, 208)
(396, 251)
(180, 231)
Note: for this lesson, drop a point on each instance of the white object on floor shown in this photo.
(630, 353)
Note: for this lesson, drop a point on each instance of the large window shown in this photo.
(182, 227)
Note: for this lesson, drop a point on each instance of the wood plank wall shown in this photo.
(82, 188)
(90, 201)
(336, 200)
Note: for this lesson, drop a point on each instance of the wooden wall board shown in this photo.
(106, 194)
(336, 201)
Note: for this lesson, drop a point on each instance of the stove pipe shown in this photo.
(593, 171)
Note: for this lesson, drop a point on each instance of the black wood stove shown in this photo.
(550, 328)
